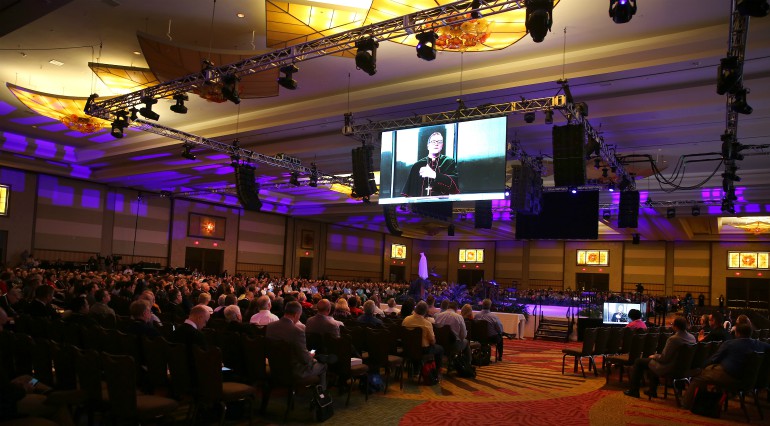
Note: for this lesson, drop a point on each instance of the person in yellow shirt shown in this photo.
(429, 346)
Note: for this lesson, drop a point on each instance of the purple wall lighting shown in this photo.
(150, 156)
(58, 194)
(78, 135)
(218, 157)
(91, 199)
(82, 172)
(32, 120)
(141, 205)
(13, 178)
(57, 127)
(102, 138)
(14, 142)
(45, 149)
(115, 201)
(224, 170)
(205, 167)
(6, 108)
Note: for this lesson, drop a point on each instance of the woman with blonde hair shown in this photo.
(341, 309)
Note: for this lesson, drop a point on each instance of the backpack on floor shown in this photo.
(463, 368)
(480, 356)
(322, 404)
(708, 403)
(429, 373)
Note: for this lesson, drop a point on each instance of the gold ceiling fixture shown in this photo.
(122, 79)
(757, 227)
(67, 109)
(300, 21)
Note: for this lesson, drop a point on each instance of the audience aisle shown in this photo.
(527, 388)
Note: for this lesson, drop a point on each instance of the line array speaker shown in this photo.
(483, 214)
(569, 166)
(363, 172)
(247, 187)
(628, 210)
(391, 220)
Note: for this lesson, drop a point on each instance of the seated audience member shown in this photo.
(264, 316)
(392, 309)
(467, 311)
(41, 306)
(141, 319)
(429, 346)
(635, 315)
(432, 310)
(718, 332)
(368, 317)
(302, 299)
(355, 311)
(285, 330)
(99, 308)
(494, 328)
(203, 300)
(9, 302)
(341, 309)
(234, 320)
(321, 323)
(227, 300)
(245, 299)
(704, 323)
(174, 306)
(189, 332)
(456, 323)
(407, 308)
(742, 319)
(662, 363)
(78, 313)
(726, 366)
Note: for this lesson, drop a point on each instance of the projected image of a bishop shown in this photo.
(434, 174)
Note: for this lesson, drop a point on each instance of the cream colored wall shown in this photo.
(180, 241)
(614, 269)
(21, 217)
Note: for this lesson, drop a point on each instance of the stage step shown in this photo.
(553, 329)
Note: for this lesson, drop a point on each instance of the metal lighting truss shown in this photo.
(460, 114)
(237, 152)
(385, 30)
(739, 28)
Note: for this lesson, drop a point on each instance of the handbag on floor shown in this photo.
(322, 404)
(708, 403)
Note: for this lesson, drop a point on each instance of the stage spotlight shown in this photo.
(671, 212)
(728, 206)
(728, 75)
(294, 180)
(621, 11)
(529, 117)
(573, 190)
(179, 108)
(313, 175)
(731, 150)
(230, 88)
(740, 106)
(134, 113)
(539, 17)
(696, 210)
(186, 152)
(604, 172)
(147, 111)
(636, 239)
(120, 123)
(286, 81)
(611, 187)
(592, 148)
(549, 116)
(730, 174)
(507, 192)
(754, 8)
(606, 214)
(475, 14)
(366, 55)
(116, 131)
(426, 45)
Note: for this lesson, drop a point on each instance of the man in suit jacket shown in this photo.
(141, 320)
(285, 329)
(662, 363)
(9, 302)
(322, 323)
(41, 306)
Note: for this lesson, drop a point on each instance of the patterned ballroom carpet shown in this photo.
(527, 388)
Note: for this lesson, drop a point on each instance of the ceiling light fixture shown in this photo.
(548, 116)
(728, 75)
(696, 210)
(611, 187)
(671, 212)
(426, 45)
(146, 111)
(134, 113)
(286, 81)
(179, 108)
(740, 105)
(366, 55)
(294, 179)
(604, 172)
(529, 117)
(230, 88)
(120, 123)
(240, 15)
(475, 14)
(754, 8)
(539, 18)
(187, 154)
(55, 62)
(606, 215)
(621, 11)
